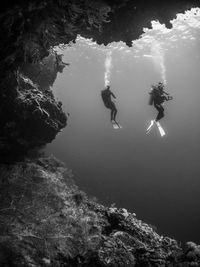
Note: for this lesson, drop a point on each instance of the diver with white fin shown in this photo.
(106, 95)
(157, 98)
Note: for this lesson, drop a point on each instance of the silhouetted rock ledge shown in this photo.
(30, 115)
(45, 220)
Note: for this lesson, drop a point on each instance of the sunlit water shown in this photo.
(157, 178)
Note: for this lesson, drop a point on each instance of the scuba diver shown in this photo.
(157, 97)
(106, 96)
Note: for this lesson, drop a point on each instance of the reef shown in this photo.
(46, 220)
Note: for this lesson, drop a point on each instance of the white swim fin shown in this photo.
(161, 130)
(150, 126)
(119, 125)
(116, 125)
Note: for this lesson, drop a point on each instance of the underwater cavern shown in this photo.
(45, 218)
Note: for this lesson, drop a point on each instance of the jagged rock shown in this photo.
(30, 117)
(30, 28)
(113, 252)
(193, 251)
(44, 73)
(42, 224)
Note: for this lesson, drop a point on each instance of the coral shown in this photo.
(193, 251)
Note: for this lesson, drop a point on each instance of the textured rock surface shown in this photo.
(30, 28)
(30, 116)
(128, 18)
(45, 220)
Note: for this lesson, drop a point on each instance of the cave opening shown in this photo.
(126, 166)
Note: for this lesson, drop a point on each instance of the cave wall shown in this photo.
(30, 28)
(30, 115)
(128, 20)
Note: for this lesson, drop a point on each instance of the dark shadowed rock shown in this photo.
(29, 117)
(128, 18)
(30, 28)
(44, 73)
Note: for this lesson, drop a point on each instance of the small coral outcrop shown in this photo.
(45, 220)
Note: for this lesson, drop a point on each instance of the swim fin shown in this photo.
(116, 125)
(150, 126)
(161, 130)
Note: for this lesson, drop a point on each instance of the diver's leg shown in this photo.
(160, 110)
(109, 106)
(160, 116)
(112, 115)
(114, 111)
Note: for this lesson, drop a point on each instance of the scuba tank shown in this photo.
(151, 96)
(150, 99)
(104, 94)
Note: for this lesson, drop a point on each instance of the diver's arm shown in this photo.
(113, 95)
(169, 97)
(165, 93)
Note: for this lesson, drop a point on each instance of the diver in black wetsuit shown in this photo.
(158, 96)
(106, 96)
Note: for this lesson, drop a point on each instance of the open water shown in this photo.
(157, 178)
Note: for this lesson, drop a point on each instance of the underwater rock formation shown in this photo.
(45, 220)
(44, 73)
(30, 117)
(128, 18)
(31, 27)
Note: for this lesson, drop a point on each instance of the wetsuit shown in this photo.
(106, 96)
(158, 99)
